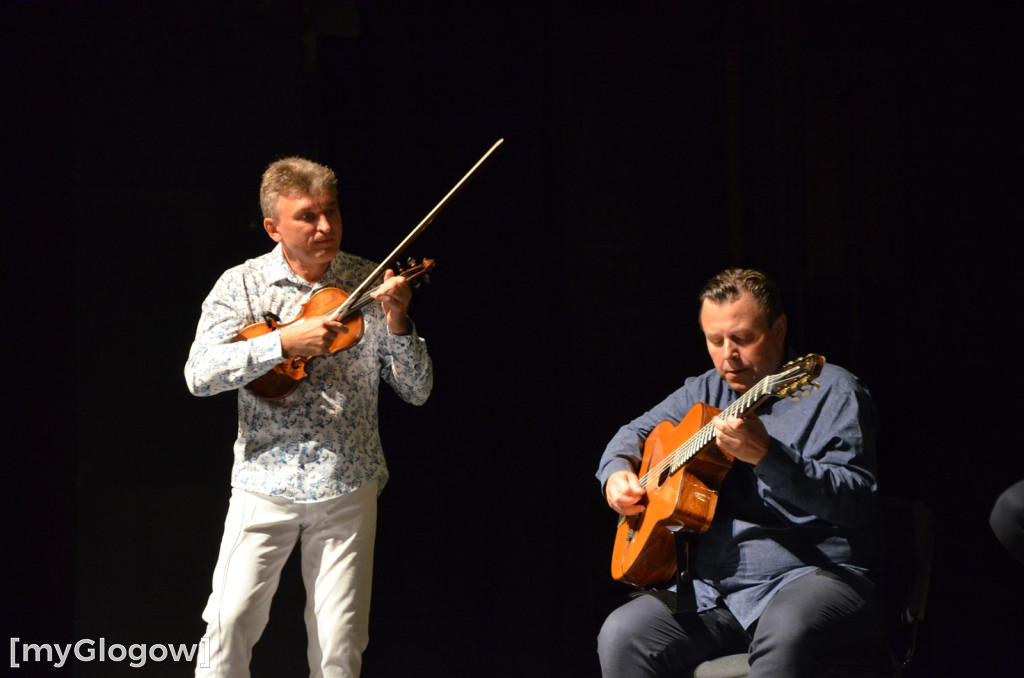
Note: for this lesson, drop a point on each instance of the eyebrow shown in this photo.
(732, 333)
(313, 208)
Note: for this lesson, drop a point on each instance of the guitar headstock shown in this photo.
(415, 273)
(797, 376)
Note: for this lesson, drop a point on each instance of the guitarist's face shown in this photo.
(743, 347)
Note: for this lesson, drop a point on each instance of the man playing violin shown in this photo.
(308, 467)
(781, 571)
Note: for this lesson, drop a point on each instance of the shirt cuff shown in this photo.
(403, 339)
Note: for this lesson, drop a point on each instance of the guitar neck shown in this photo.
(794, 376)
(743, 407)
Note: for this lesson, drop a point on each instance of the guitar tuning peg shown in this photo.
(815, 386)
(795, 396)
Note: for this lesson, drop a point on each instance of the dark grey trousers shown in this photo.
(805, 621)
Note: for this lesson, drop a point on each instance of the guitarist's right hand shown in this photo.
(624, 492)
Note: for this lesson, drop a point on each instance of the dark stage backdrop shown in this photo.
(866, 154)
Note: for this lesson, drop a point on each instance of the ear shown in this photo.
(781, 326)
(271, 228)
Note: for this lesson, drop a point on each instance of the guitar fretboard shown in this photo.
(702, 438)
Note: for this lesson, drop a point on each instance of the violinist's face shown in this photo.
(309, 230)
(743, 347)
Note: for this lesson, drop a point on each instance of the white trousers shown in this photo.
(336, 539)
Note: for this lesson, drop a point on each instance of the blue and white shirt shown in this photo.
(322, 440)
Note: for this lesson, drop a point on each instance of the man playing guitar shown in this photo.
(781, 571)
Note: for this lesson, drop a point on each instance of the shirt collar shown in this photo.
(277, 270)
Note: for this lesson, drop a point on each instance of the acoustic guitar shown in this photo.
(682, 470)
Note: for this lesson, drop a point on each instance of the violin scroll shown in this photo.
(415, 274)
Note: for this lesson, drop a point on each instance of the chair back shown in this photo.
(910, 547)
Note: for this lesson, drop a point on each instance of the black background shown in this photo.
(865, 154)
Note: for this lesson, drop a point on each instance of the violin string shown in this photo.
(363, 301)
(367, 297)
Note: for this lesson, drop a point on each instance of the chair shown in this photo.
(909, 541)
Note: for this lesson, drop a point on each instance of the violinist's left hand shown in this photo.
(746, 439)
(395, 297)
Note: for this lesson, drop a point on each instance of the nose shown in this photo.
(730, 350)
(323, 225)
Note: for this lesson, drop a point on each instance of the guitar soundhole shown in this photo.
(663, 476)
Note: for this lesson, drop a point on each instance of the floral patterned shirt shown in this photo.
(322, 440)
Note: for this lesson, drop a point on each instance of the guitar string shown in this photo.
(704, 435)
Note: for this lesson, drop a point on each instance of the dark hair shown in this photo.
(728, 285)
(289, 176)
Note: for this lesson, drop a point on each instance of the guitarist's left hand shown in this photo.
(745, 439)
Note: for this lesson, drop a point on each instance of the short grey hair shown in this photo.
(290, 176)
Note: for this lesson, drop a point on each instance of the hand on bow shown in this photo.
(395, 297)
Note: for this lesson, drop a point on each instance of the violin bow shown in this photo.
(357, 293)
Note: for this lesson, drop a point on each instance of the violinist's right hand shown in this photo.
(312, 336)
(623, 492)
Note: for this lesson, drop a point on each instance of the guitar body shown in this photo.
(685, 498)
(644, 553)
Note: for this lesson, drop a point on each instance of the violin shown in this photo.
(281, 381)
(284, 378)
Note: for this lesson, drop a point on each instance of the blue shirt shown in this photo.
(321, 441)
(809, 504)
